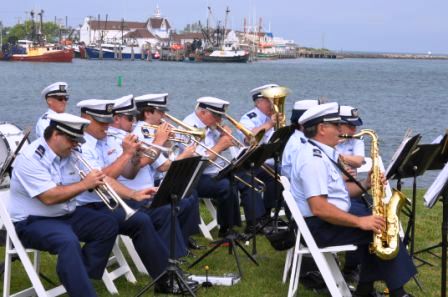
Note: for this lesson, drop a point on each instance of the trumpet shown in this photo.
(197, 133)
(106, 193)
(198, 142)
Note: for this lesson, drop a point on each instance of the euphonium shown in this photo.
(278, 97)
(385, 244)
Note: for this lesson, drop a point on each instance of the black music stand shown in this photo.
(178, 183)
(415, 165)
(282, 136)
(232, 240)
(437, 189)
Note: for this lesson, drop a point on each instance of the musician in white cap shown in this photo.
(56, 95)
(151, 111)
(42, 205)
(323, 198)
(208, 113)
(148, 243)
(351, 150)
(297, 139)
(263, 117)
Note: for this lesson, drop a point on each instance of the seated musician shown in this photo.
(297, 139)
(208, 113)
(324, 200)
(56, 96)
(351, 150)
(149, 245)
(42, 206)
(124, 113)
(263, 117)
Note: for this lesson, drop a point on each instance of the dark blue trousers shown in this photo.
(62, 236)
(150, 247)
(228, 210)
(251, 201)
(270, 197)
(395, 272)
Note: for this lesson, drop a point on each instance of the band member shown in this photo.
(263, 117)
(42, 206)
(351, 150)
(324, 199)
(152, 108)
(297, 139)
(124, 113)
(148, 244)
(208, 113)
(56, 95)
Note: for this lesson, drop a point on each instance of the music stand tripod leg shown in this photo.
(172, 270)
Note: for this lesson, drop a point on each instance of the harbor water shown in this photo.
(392, 95)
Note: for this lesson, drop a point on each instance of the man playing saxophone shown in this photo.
(324, 200)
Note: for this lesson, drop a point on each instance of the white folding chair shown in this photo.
(207, 227)
(122, 268)
(127, 242)
(323, 257)
(14, 247)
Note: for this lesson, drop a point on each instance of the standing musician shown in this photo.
(151, 111)
(297, 139)
(263, 117)
(324, 199)
(42, 205)
(124, 113)
(148, 244)
(56, 96)
(207, 115)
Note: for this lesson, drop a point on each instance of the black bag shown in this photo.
(282, 239)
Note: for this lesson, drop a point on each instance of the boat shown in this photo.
(226, 56)
(109, 51)
(26, 50)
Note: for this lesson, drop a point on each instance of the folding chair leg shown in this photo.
(336, 272)
(127, 241)
(288, 263)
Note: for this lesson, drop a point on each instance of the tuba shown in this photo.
(277, 95)
(385, 244)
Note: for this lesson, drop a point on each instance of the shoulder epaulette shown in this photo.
(44, 117)
(252, 115)
(40, 151)
(146, 132)
(302, 140)
(317, 153)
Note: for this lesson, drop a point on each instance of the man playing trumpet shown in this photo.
(42, 205)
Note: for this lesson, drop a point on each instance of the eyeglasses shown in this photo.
(60, 98)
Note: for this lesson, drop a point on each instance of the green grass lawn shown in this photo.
(265, 279)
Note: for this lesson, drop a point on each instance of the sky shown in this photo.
(404, 26)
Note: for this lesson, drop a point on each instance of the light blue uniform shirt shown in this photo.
(43, 122)
(292, 149)
(314, 174)
(38, 169)
(253, 119)
(211, 138)
(351, 147)
(95, 152)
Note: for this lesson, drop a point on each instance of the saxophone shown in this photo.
(385, 244)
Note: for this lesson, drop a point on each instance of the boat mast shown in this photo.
(225, 28)
(40, 34)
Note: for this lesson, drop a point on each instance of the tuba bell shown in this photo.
(277, 95)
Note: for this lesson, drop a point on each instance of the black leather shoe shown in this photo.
(163, 287)
(223, 232)
(193, 244)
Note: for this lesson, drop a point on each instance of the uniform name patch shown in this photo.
(317, 153)
(252, 115)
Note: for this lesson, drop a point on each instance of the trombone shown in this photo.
(106, 193)
(198, 142)
(197, 133)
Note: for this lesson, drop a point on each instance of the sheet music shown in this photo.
(431, 195)
(437, 140)
(397, 153)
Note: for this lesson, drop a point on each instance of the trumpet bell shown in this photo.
(275, 92)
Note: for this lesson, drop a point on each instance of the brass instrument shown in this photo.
(198, 142)
(197, 133)
(253, 139)
(106, 193)
(277, 95)
(385, 244)
(145, 144)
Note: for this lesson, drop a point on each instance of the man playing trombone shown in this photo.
(208, 114)
(42, 205)
(139, 226)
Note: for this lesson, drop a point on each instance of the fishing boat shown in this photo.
(108, 51)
